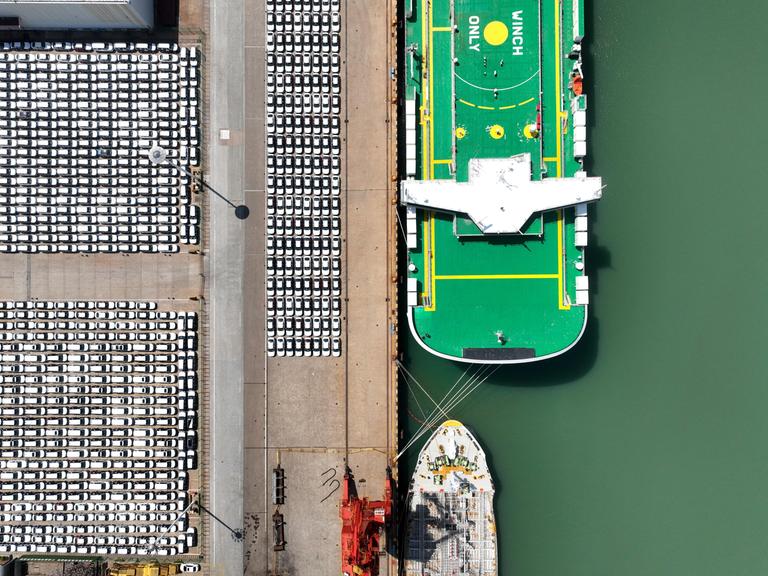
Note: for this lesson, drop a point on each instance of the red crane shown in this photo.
(361, 524)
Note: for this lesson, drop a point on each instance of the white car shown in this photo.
(188, 567)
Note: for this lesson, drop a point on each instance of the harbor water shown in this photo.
(642, 451)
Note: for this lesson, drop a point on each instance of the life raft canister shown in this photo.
(577, 84)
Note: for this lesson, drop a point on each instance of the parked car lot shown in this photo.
(303, 162)
(93, 446)
(75, 126)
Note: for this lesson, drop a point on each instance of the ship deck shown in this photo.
(451, 524)
(480, 71)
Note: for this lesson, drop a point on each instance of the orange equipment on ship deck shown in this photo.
(361, 524)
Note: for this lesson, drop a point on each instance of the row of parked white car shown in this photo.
(303, 166)
(76, 121)
(103, 543)
(167, 544)
(309, 6)
(101, 47)
(292, 187)
(314, 21)
(281, 346)
(97, 435)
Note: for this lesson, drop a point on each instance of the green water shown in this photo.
(643, 450)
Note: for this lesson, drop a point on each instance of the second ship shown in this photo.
(451, 525)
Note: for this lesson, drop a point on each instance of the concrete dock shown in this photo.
(312, 416)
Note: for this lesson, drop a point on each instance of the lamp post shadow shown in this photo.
(158, 156)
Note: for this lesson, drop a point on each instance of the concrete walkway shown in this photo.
(224, 68)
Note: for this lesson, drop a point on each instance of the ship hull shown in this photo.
(451, 524)
(492, 81)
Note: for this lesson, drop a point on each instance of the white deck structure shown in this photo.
(451, 525)
(500, 196)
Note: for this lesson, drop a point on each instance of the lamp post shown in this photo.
(237, 533)
(158, 156)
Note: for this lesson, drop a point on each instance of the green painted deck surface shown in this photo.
(491, 69)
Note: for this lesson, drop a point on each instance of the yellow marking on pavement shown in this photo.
(507, 107)
(550, 159)
(524, 102)
(443, 161)
(442, 29)
(486, 107)
(467, 103)
(496, 277)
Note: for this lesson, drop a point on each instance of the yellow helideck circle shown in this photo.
(460, 132)
(496, 132)
(495, 33)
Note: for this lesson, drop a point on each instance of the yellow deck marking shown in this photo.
(523, 103)
(442, 29)
(496, 277)
(432, 233)
(432, 99)
(429, 262)
(429, 171)
(424, 117)
(495, 33)
(557, 85)
(560, 302)
(425, 228)
(427, 152)
(558, 99)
